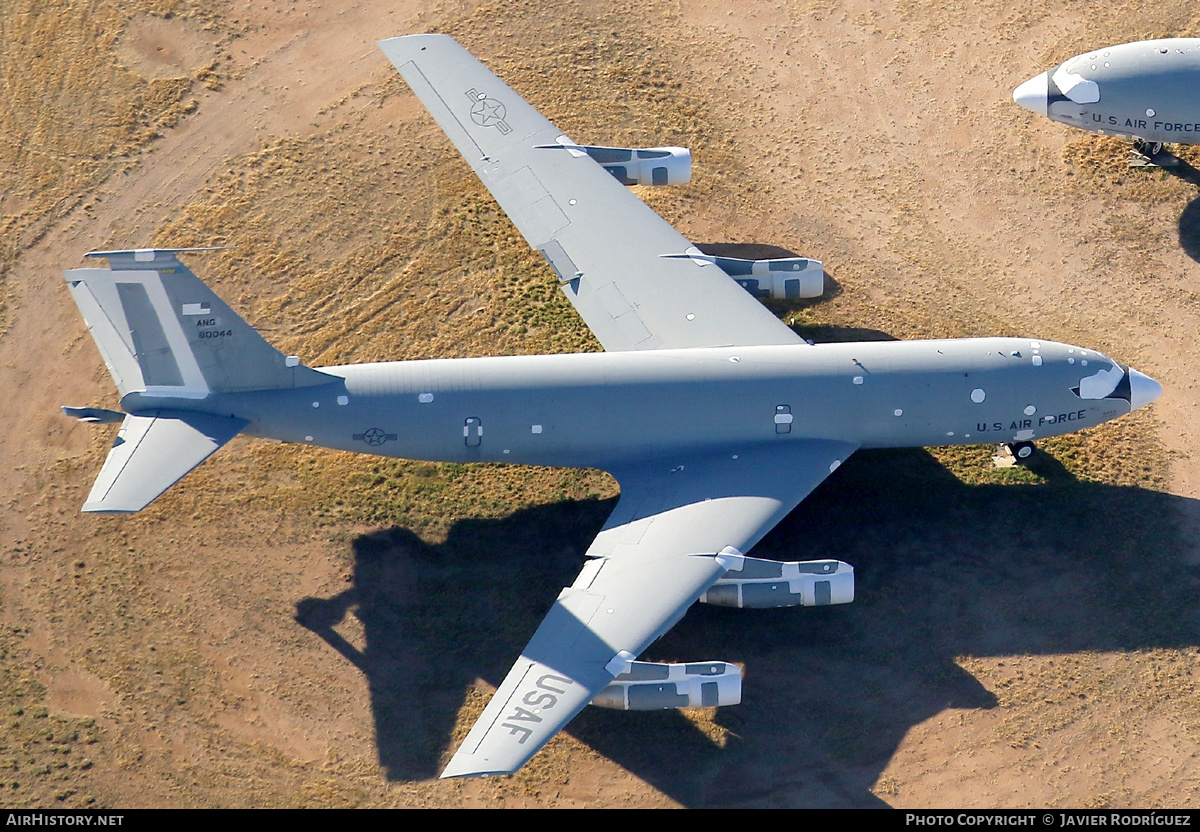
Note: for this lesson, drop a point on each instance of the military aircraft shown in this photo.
(715, 418)
(1147, 91)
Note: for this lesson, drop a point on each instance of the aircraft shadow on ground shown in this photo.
(1189, 220)
(1189, 230)
(944, 570)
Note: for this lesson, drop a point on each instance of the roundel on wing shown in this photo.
(487, 112)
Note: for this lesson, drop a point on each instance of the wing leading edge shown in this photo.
(611, 252)
(680, 523)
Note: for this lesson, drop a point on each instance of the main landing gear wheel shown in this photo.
(1022, 451)
(1147, 149)
(1146, 154)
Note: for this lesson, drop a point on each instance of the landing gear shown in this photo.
(1022, 451)
(1013, 453)
(1147, 149)
(1146, 154)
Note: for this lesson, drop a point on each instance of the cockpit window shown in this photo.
(1075, 87)
(1112, 383)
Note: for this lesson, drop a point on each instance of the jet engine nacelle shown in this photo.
(653, 686)
(645, 166)
(762, 584)
(789, 278)
(634, 165)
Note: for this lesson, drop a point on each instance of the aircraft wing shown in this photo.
(679, 525)
(605, 244)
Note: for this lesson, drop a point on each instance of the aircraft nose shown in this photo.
(1142, 389)
(1033, 94)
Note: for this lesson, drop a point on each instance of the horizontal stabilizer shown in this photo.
(154, 452)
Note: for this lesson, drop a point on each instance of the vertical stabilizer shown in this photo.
(162, 332)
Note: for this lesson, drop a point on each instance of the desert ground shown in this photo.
(295, 627)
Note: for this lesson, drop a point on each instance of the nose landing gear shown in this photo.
(1146, 154)
(1013, 453)
(1022, 451)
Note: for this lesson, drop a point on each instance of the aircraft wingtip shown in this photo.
(466, 766)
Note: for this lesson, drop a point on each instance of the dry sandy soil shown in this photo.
(289, 627)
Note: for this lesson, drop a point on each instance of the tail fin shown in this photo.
(164, 333)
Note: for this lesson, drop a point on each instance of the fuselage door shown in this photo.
(473, 431)
(783, 419)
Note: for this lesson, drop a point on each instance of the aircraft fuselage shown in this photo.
(1148, 90)
(604, 409)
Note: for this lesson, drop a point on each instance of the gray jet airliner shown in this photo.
(1147, 91)
(714, 417)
